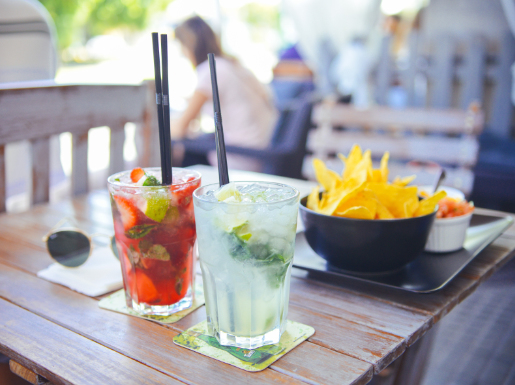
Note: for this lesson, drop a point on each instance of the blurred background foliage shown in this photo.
(261, 15)
(77, 21)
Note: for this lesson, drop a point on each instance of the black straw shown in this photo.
(159, 102)
(223, 172)
(166, 111)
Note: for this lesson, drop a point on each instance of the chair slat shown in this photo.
(410, 119)
(449, 151)
(502, 109)
(442, 74)
(67, 108)
(2, 179)
(40, 170)
(117, 139)
(80, 183)
(475, 65)
(384, 72)
(412, 71)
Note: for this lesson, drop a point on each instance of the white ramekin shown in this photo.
(448, 234)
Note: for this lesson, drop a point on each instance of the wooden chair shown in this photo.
(445, 136)
(285, 154)
(35, 111)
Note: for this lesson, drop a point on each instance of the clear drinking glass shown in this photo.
(155, 233)
(246, 252)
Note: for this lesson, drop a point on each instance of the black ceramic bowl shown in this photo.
(365, 246)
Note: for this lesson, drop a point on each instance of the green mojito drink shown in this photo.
(246, 235)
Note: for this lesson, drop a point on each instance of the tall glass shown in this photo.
(155, 232)
(246, 252)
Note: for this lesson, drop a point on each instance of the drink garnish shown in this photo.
(242, 231)
(128, 211)
(137, 174)
(151, 181)
(228, 193)
(139, 231)
(155, 205)
(141, 178)
(157, 252)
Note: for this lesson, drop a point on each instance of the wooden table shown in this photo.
(66, 338)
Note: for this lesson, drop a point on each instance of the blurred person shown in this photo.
(248, 113)
(291, 77)
(349, 71)
(325, 28)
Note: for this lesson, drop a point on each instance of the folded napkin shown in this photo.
(99, 275)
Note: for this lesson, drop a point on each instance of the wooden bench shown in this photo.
(445, 136)
(35, 111)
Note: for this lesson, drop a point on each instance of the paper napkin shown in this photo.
(99, 275)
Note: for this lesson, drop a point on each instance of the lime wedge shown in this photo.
(155, 206)
(242, 231)
(228, 193)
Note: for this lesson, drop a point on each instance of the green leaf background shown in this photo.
(77, 21)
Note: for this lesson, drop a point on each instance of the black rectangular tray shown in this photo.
(428, 272)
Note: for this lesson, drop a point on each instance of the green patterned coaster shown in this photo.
(116, 302)
(197, 339)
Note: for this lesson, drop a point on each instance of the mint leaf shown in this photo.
(145, 245)
(139, 231)
(178, 286)
(262, 254)
(157, 252)
(151, 181)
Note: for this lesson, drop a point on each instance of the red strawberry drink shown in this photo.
(154, 227)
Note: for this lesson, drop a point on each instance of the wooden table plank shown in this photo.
(360, 309)
(367, 344)
(65, 357)
(330, 366)
(151, 343)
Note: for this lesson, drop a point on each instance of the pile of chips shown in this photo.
(362, 192)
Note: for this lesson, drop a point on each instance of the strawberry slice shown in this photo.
(137, 174)
(129, 213)
(147, 292)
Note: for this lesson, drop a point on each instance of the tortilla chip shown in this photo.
(384, 167)
(313, 202)
(357, 212)
(364, 198)
(404, 181)
(327, 178)
(428, 205)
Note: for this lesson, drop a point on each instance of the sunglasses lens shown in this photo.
(69, 248)
(114, 248)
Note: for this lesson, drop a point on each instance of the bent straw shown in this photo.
(167, 176)
(159, 102)
(223, 172)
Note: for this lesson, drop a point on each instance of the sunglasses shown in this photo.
(70, 246)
